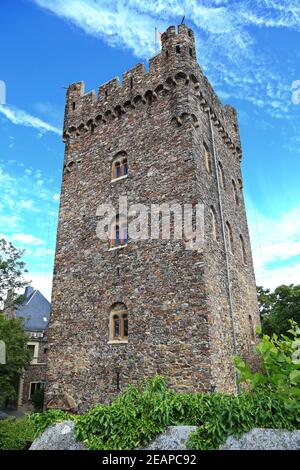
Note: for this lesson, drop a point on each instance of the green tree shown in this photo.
(17, 356)
(12, 269)
(276, 308)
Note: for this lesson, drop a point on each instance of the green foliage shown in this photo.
(278, 307)
(280, 367)
(41, 421)
(17, 356)
(270, 400)
(228, 415)
(12, 270)
(16, 434)
(133, 418)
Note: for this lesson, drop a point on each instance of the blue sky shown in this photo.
(248, 49)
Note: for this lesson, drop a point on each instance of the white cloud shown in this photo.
(43, 252)
(10, 222)
(276, 247)
(227, 47)
(26, 204)
(19, 117)
(26, 239)
(56, 197)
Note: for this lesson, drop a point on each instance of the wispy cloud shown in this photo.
(227, 47)
(276, 247)
(19, 117)
(26, 239)
(27, 218)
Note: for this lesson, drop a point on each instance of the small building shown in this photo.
(35, 311)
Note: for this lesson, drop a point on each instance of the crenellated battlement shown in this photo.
(173, 66)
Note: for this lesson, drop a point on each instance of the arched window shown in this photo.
(207, 158)
(119, 232)
(235, 193)
(243, 251)
(229, 237)
(118, 322)
(117, 170)
(221, 175)
(252, 331)
(124, 167)
(213, 222)
(120, 166)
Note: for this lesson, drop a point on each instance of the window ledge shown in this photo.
(118, 247)
(119, 178)
(118, 341)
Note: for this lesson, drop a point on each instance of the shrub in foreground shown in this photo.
(16, 434)
(135, 417)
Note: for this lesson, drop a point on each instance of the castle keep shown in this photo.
(129, 309)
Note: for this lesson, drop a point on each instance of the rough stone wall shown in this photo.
(179, 323)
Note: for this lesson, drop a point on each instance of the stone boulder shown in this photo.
(60, 436)
(173, 438)
(264, 439)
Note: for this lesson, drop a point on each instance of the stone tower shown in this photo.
(126, 310)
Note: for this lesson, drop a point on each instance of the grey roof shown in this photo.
(35, 310)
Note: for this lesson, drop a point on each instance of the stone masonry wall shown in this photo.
(177, 299)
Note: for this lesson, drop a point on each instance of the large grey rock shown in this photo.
(264, 439)
(173, 438)
(61, 436)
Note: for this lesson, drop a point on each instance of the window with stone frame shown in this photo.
(34, 387)
(207, 158)
(252, 330)
(229, 237)
(119, 166)
(33, 347)
(118, 322)
(119, 232)
(235, 193)
(221, 175)
(243, 250)
(213, 222)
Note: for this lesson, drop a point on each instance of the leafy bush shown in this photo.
(280, 367)
(16, 434)
(133, 418)
(40, 421)
(228, 415)
(136, 416)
